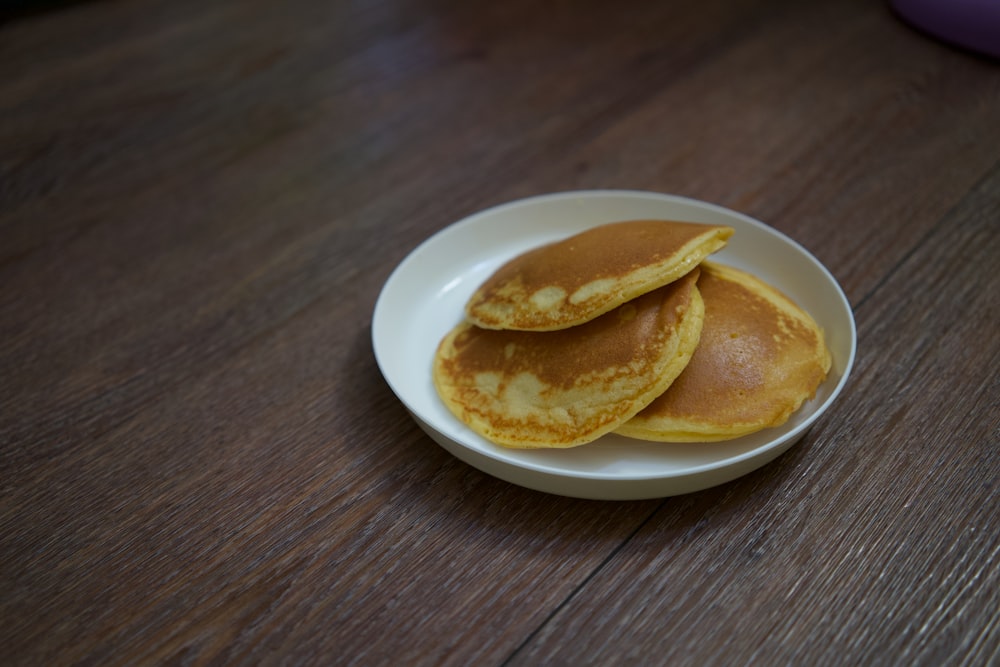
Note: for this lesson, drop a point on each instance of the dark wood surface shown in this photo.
(200, 462)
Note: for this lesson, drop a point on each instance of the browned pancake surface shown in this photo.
(567, 387)
(566, 283)
(759, 357)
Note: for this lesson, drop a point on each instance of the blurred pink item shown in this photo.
(972, 24)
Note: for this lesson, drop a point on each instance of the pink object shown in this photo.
(972, 24)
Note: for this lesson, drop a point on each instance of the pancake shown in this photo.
(569, 282)
(759, 357)
(529, 389)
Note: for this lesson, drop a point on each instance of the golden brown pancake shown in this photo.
(569, 282)
(759, 357)
(529, 389)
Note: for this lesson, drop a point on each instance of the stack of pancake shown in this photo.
(627, 327)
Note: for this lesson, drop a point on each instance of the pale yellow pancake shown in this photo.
(759, 357)
(529, 389)
(569, 282)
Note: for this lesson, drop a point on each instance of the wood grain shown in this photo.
(200, 462)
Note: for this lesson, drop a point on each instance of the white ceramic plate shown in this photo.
(425, 296)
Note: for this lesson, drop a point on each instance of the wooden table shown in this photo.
(200, 461)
